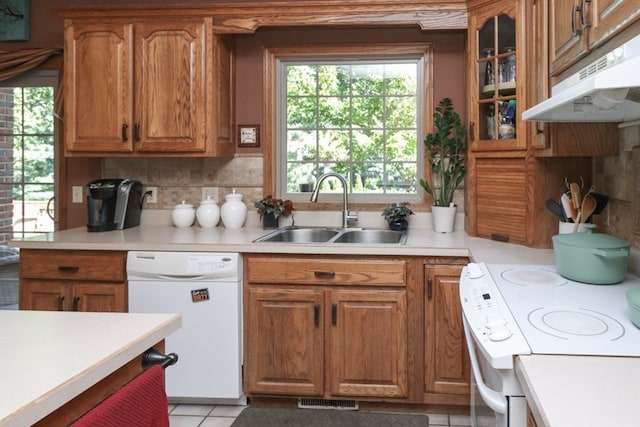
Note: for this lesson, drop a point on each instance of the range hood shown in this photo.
(607, 90)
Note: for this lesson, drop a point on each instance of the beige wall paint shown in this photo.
(617, 176)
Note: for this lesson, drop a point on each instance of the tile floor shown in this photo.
(223, 416)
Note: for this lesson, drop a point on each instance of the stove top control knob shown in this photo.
(475, 272)
(497, 325)
(499, 333)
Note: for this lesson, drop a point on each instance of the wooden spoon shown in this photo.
(586, 210)
(589, 204)
(576, 195)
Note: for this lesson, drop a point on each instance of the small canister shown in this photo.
(208, 213)
(183, 215)
(233, 211)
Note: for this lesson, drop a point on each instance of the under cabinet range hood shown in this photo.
(607, 90)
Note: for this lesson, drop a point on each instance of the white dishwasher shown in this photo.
(205, 288)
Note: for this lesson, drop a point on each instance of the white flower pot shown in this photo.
(443, 218)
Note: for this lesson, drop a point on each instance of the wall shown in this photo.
(179, 180)
(619, 178)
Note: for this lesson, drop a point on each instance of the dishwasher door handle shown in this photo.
(179, 278)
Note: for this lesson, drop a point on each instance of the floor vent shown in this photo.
(347, 405)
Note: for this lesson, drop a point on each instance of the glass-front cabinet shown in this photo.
(494, 52)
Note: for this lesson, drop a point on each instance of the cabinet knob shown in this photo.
(68, 268)
(136, 131)
(60, 303)
(583, 12)
(324, 274)
(574, 23)
(334, 314)
(76, 301)
(125, 132)
(316, 315)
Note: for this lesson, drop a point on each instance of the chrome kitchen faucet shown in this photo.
(346, 214)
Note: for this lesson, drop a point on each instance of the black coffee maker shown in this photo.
(114, 204)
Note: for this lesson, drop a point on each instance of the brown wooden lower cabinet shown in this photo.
(59, 280)
(324, 340)
(447, 366)
(366, 328)
(531, 422)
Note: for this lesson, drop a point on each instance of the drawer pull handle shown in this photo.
(324, 274)
(316, 315)
(76, 301)
(60, 303)
(68, 268)
(334, 314)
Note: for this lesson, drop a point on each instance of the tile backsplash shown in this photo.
(179, 179)
(619, 178)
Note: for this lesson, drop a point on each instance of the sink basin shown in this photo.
(300, 235)
(370, 236)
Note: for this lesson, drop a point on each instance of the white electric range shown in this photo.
(514, 310)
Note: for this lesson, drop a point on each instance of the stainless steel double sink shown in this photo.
(372, 236)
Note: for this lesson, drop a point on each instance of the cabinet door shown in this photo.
(50, 295)
(368, 344)
(446, 358)
(609, 17)
(99, 297)
(284, 342)
(98, 87)
(568, 41)
(495, 85)
(170, 93)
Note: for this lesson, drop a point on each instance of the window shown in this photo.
(360, 115)
(27, 136)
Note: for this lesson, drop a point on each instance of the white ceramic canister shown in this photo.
(233, 211)
(183, 214)
(208, 213)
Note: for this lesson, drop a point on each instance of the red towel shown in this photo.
(140, 403)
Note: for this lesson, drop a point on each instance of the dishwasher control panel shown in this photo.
(183, 265)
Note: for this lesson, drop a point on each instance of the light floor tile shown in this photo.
(459, 420)
(202, 410)
(437, 420)
(227, 410)
(217, 422)
(184, 421)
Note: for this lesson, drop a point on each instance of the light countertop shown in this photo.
(157, 233)
(48, 358)
(581, 391)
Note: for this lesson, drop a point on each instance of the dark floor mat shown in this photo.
(279, 417)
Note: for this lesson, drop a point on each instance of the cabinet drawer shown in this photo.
(73, 265)
(304, 271)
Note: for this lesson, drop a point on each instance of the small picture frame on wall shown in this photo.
(14, 20)
(248, 135)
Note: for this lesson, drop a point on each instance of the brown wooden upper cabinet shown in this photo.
(145, 87)
(578, 26)
(494, 54)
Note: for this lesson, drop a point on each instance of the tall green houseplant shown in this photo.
(447, 148)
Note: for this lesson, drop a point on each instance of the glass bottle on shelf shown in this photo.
(489, 76)
(508, 66)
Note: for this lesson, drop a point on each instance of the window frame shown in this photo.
(43, 77)
(272, 58)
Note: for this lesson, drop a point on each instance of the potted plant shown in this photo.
(397, 215)
(447, 148)
(270, 209)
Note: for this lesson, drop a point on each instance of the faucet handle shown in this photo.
(352, 216)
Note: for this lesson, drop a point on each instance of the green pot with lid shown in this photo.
(589, 257)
